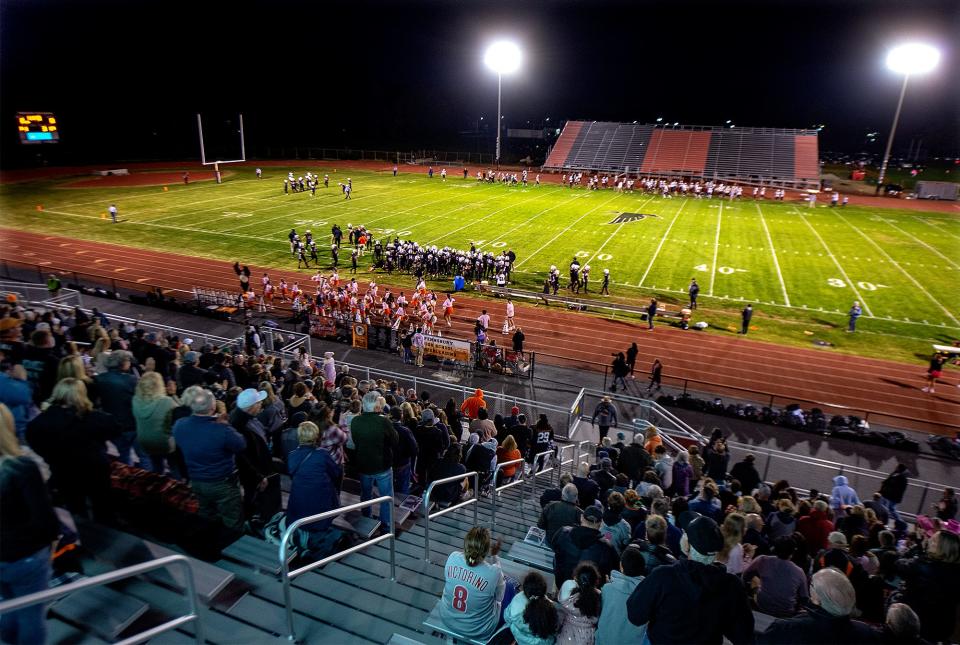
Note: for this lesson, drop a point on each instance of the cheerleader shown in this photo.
(295, 291)
(268, 294)
(284, 291)
(448, 310)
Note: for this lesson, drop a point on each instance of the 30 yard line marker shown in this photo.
(662, 240)
(776, 263)
(830, 254)
(902, 270)
(716, 249)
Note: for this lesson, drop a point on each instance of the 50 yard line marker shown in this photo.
(716, 249)
(662, 240)
(776, 263)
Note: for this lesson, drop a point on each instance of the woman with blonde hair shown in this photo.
(313, 473)
(734, 554)
(747, 505)
(507, 451)
(475, 588)
(152, 412)
(930, 586)
(28, 526)
(652, 439)
(71, 437)
(73, 367)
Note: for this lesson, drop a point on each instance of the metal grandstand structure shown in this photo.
(781, 157)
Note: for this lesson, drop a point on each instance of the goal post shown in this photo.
(216, 162)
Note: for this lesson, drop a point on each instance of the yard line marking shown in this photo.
(919, 241)
(716, 249)
(609, 237)
(662, 240)
(164, 226)
(522, 224)
(449, 233)
(552, 239)
(928, 222)
(830, 254)
(776, 263)
(902, 270)
(135, 196)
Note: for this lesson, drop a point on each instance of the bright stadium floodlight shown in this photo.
(503, 57)
(906, 59)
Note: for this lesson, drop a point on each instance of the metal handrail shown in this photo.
(534, 473)
(573, 418)
(121, 574)
(427, 516)
(518, 481)
(563, 462)
(287, 575)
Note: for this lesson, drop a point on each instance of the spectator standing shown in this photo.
(588, 490)
(783, 522)
(407, 452)
(891, 493)
(852, 315)
(613, 527)
(816, 527)
(746, 473)
(28, 526)
(41, 362)
(632, 353)
(946, 508)
(634, 459)
(842, 495)
(580, 602)
(153, 414)
(733, 554)
(717, 460)
(517, 341)
(313, 489)
(471, 405)
(663, 466)
(209, 446)
(375, 440)
(682, 474)
(745, 316)
(116, 387)
(696, 462)
(653, 549)
(669, 596)
(604, 417)
(16, 394)
(258, 472)
(70, 436)
(619, 370)
(652, 439)
(930, 585)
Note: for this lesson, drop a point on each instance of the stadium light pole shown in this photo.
(911, 58)
(503, 57)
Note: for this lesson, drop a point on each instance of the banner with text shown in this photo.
(447, 349)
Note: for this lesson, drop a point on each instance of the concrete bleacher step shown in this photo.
(102, 610)
(398, 639)
(123, 550)
(257, 554)
(273, 619)
(61, 633)
(436, 624)
(532, 555)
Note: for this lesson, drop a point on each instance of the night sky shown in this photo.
(125, 78)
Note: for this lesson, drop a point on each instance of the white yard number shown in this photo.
(866, 286)
(603, 257)
(583, 254)
(723, 270)
(498, 245)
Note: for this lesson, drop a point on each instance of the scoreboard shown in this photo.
(38, 127)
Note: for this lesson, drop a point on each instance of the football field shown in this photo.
(791, 261)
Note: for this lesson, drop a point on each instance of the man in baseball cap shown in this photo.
(667, 599)
(261, 486)
(576, 544)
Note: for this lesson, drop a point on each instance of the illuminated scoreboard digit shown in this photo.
(38, 127)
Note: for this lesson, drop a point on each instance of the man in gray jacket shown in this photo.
(557, 515)
(116, 388)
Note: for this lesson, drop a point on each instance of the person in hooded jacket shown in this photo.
(892, 491)
(930, 585)
(842, 495)
(575, 544)
(604, 416)
(816, 526)
(613, 527)
(693, 601)
(635, 460)
(613, 628)
(783, 522)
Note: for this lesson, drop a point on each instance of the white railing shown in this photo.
(516, 480)
(121, 574)
(427, 515)
(287, 575)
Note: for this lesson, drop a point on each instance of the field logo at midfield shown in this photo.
(623, 218)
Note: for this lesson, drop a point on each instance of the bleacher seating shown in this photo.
(770, 156)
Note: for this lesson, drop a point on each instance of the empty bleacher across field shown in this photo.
(760, 156)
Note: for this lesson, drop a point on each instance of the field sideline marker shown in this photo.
(836, 262)
(662, 240)
(776, 263)
(902, 270)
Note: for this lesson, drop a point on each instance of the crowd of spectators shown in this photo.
(689, 557)
(644, 538)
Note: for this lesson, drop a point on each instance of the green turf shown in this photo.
(901, 265)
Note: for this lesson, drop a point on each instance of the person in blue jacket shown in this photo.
(313, 490)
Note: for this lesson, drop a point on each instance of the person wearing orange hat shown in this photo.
(471, 405)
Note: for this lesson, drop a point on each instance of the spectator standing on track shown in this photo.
(632, 352)
(745, 316)
(854, 313)
(651, 313)
(656, 373)
(517, 340)
(694, 291)
(619, 370)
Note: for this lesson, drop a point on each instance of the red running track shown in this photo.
(574, 340)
